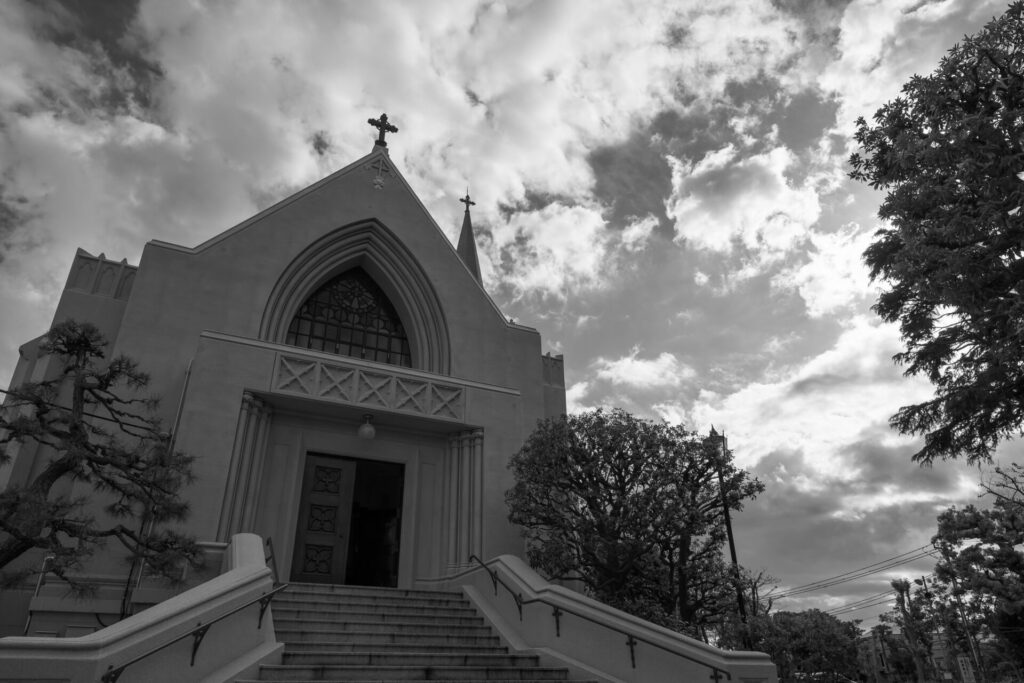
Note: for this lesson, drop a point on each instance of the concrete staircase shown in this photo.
(349, 633)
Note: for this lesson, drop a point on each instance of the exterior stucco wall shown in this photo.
(225, 284)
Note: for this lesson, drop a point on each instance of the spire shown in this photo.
(467, 241)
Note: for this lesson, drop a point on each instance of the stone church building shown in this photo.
(348, 387)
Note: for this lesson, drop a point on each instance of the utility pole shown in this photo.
(723, 445)
(975, 653)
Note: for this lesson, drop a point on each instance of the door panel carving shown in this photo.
(325, 515)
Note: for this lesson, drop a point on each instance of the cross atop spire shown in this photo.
(383, 127)
(467, 240)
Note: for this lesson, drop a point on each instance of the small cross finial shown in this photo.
(467, 201)
(383, 127)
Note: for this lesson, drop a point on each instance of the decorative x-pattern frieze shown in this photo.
(295, 374)
(374, 389)
(336, 382)
(410, 395)
(353, 384)
(447, 401)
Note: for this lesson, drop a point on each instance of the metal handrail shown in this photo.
(272, 560)
(40, 582)
(198, 632)
(557, 612)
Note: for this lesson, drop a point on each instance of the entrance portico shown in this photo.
(309, 411)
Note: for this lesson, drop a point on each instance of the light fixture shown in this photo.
(366, 430)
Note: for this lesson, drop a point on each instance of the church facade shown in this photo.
(346, 384)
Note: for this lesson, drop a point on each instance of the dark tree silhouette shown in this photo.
(982, 553)
(91, 427)
(950, 154)
(632, 508)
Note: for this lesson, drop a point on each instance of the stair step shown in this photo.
(384, 635)
(364, 646)
(287, 631)
(370, 600)
(422, 619)
(284, 672)
(341, 608)
(409, 659)
(409, 640)
(332, 589)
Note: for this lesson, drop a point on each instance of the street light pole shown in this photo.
(723, 445)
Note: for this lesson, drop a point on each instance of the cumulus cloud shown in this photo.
(832, 525)
(882, 43)
(664, 371)
(637, 234)
(839, 396)
(834, 276)
(574, 397)
(727, 198)
(672, 412)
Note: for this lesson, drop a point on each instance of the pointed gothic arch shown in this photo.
(372, 247)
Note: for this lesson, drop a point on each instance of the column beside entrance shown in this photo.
(245, 472)
(463, 497)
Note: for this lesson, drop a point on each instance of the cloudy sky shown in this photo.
(660, 189)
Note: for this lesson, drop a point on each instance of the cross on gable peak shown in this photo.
(383, 127)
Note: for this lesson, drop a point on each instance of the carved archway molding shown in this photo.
(373, 247)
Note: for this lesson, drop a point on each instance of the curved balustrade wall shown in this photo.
(235, 643)
(593, 638)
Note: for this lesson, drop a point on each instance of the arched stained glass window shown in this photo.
(351, 316)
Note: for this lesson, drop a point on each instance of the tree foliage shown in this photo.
(917, 627)
(91, 427)
(632, 509)
(898, 660)
(983, 552)
(809, 642)
(949, 152)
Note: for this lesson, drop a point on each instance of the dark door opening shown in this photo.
(350, 521)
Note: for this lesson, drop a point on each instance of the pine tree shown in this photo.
(92, 426)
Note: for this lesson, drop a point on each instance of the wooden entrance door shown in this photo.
(325, 516)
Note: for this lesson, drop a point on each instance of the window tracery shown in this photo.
(351, 316)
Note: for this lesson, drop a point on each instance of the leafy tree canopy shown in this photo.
(633, 509)
(983, 549)
(950, 154)
(89, 426)
(812, 643)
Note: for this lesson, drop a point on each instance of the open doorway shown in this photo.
(350, 520)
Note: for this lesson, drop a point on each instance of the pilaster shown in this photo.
(463, 497)
(245, 472)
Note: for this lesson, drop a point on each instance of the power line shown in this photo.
(886, 601)
(852, 571)
(882, 565)
(864, 603)
(856, 603)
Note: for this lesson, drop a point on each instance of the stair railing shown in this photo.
(271, 560)
(198, 632)
(557, 611)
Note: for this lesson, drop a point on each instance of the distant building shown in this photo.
(873, 659)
